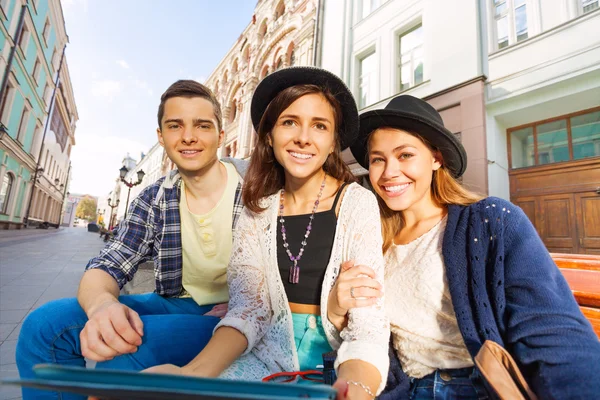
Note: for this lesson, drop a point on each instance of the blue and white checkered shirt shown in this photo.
(152, 231)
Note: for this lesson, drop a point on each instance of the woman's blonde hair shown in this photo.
(445, 191)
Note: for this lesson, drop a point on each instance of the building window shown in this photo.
(366, 80)
(368, 6)
(46, 32)
(23, 125)
(589, 5)
(567, 138)
(510, 17)
(37, 69)
(5, 191)
(24, 40)
(47, 94)
(585, 134)
(279, 10)
(7, 100)
(411, 58)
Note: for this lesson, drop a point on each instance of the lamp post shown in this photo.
(123, 172)
(112, 207)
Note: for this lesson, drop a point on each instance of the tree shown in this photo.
(86, 209)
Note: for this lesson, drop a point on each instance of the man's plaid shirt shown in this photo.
(152, 231)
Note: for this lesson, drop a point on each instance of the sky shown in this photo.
(122, 55)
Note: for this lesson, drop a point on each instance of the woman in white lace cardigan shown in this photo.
(277, 317)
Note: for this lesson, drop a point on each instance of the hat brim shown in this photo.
(284, 78)
(453, 152)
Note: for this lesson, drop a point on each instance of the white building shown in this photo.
(543, 115)
(429, 49)
(151, 164)
(517, 80)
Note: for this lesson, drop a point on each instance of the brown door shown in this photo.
(587, 206)
(531, 208)
(559, 223)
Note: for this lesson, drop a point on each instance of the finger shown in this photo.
(359, 270)
(122, 324)
(363, 282)
(113, 340)
(342, 389)
(360, 303)
(136, 322)
(367, 292)
(347, 265)
(92, 345)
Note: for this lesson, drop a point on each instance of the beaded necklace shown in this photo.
(294, 269)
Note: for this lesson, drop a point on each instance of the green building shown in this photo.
(32, 43)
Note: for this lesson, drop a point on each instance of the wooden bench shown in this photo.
(582, 272)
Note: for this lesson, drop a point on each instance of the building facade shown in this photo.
(37, 111)
(281, 33)
(543, 115)
(517, 80)
(428, 49)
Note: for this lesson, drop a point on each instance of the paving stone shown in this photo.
(7, 352)
(6, 330)
(12, 316)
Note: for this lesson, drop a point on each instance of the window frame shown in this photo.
(399, 35)
(7, 192)
(510, 14)
(534, 125)
(10, 94)
(370, 52)
(580, 10)
(23, 124)
(37, 71)
(24, 39)
(46, 31)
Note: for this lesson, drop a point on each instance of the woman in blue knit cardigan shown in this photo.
(460, 270)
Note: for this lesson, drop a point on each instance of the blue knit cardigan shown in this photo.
(505, 287)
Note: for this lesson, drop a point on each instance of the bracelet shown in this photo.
(363, 386)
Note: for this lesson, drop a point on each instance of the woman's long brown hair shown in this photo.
(445, 191)
(265, 176)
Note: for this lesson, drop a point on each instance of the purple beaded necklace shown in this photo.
(294, 269)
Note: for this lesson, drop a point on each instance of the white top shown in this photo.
(258, 305)
(206, 242)
(422, 319)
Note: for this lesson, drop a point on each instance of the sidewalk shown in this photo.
(36, 266)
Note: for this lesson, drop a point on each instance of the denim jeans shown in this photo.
(175, 331)
(463, 383)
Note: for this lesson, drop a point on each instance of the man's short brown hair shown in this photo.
(189, 89)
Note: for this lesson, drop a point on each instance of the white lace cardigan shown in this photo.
(258, 306)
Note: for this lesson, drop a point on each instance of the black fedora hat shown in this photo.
(417, 116)
(284, 78)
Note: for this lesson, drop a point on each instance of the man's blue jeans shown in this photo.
(175, 331)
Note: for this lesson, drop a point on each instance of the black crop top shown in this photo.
(316, 253)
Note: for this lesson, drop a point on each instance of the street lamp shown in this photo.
(112, 207)
(123, 172)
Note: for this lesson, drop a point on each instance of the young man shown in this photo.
(183, 222)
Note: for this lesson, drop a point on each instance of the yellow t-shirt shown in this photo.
(206, 242)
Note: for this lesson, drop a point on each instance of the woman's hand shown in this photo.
(165, 369)
(355, 286)
(219, 311)
(346, 391)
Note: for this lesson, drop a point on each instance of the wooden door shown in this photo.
(531, 208)
(587, 206)
(559, 223)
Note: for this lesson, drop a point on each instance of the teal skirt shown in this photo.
(311, 342)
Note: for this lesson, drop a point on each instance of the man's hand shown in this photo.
(219, 310)
(113, 329)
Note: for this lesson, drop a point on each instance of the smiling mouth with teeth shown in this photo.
(396, 188)
(300, 155)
